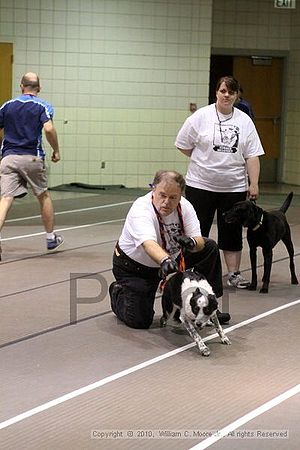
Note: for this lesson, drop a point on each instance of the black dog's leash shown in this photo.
(261, 219)
(259, 223)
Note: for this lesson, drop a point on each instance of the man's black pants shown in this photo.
(133, 292)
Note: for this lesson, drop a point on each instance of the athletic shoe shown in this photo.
(236, 280)
(53, 244)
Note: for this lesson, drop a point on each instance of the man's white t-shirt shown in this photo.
(220, 149)
(142, 224)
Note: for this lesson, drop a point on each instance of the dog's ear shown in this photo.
(211, 306)
(213, 302)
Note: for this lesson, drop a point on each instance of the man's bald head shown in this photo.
(30, 82)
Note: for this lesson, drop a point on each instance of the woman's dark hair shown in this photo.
(231, 83)
(169, 175)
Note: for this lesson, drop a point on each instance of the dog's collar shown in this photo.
(259, 223)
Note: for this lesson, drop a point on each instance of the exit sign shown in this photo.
(285, 3)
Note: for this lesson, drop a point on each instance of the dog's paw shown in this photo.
(294, 281)
(205, 351)
(264, 290)
(163, 322)
(226, 340)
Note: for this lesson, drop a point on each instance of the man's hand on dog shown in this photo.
(186, 242)
(168, 265)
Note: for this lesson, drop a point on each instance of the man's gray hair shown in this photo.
(169, 175)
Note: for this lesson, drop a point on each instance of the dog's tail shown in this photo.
(284, 207)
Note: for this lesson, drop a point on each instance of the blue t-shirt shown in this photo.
(22, 119)
(243, 105)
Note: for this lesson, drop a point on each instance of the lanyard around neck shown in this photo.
(161, 223)
(181, 262)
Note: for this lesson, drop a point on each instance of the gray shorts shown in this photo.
(17, 171)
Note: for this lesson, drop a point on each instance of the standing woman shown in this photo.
(224, 149)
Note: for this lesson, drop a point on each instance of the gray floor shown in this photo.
(98, 384)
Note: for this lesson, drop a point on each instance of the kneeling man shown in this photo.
(160, 227)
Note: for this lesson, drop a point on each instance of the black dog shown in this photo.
(189, 298)
(264, 229)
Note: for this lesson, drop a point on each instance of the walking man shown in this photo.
(23, 158)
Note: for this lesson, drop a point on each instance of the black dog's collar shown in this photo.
(259, 223)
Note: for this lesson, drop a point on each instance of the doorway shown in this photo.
(261, 79)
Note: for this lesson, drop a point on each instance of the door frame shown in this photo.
(276, 54)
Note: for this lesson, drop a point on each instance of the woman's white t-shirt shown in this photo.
(220, 149)
(142, 224)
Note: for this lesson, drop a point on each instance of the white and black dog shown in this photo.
(189, 298)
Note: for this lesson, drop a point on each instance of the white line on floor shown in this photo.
(71, 211)
(116, 376)
(24, 236)
(247, 417)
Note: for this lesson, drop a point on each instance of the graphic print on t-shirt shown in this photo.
(170, 231)
(226, 138)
